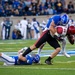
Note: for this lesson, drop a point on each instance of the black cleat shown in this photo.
(48, 62)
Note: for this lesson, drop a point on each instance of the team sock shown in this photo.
(28, 50)
(49, 58)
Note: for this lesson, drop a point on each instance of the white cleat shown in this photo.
(65, 54)
(5, 64)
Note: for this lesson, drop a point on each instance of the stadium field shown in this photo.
(61, 64)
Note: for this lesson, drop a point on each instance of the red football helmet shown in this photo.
(71, 30)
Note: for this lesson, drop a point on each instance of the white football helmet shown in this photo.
(62, 30)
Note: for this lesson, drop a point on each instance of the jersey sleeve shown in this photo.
(49, 22)
(56, 20)
(29, 59)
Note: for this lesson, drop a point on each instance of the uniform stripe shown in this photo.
(7, 60)
(41, 36)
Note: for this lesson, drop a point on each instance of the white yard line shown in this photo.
(14, 43)
(64, 62)
(38, 68)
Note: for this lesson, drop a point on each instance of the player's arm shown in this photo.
(21, 57)
(22, 50)
(53, 29)
(70, 38)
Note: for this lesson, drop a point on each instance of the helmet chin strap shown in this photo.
(63, 24)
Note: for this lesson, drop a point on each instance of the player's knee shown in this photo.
(58, 49)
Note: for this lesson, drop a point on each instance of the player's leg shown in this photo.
(63, 48)
(7, 59)
(54, 43)
(48, 60)
(3, 34)
(40, 48)
(24, 32)
(37, 44)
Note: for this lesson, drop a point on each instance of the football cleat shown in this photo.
(65, 54)
(5, 64)
(48, 62)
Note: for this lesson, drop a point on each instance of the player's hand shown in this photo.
(20, 51)
(56, 35)
(60, 39)
(71, 39)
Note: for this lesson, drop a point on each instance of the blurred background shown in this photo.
(25, 19)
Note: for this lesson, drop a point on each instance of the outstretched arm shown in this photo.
(22, 50)
(52, 28)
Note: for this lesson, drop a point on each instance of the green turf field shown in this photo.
(61, 64)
